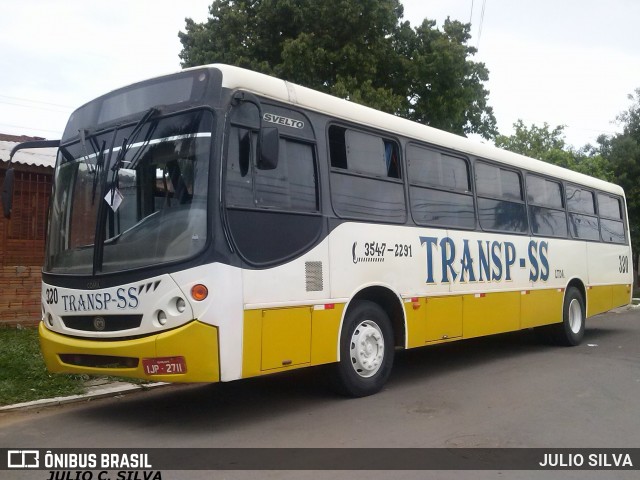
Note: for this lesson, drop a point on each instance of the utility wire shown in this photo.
(36, 107)
(35, 101)
(32, 129)
(484, 4)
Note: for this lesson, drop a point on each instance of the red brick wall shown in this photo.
(22, 246)
(20, 295)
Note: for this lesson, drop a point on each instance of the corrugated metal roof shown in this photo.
(39, 157)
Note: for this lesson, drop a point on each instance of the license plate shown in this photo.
(164, 365)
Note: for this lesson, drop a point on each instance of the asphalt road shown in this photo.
(503, 391)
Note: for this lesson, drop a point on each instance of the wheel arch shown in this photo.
(390, 301)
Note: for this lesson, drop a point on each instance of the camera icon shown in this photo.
(23, 459)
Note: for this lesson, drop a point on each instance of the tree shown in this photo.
(360, 50)
(548, 144)
(543, 143)
(623, 153)
(630, 119)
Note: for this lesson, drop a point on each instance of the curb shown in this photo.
(100, 391)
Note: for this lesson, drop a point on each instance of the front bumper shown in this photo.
(196, 342)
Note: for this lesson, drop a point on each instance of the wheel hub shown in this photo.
(575, 316)
(367, 348)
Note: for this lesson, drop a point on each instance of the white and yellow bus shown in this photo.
(219, 224)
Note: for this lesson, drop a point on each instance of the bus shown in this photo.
(218, 224)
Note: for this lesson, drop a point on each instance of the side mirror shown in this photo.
(268, 148)
(7, 192)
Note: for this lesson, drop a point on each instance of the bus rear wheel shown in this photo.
(571, 331)
(366, 350)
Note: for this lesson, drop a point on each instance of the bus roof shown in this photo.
(287, 92)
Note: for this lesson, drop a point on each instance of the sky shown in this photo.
(564, 62)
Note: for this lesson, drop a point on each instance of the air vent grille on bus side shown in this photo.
(313, 275)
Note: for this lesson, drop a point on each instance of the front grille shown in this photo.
(102, 323)
(98, 361)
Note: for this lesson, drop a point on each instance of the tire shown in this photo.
(571, 331)
(366, 351)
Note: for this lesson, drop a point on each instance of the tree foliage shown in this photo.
(355, 49)
(623, 153)
(548, 144)
(615, 158)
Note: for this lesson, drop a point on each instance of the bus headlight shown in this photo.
(162, 317)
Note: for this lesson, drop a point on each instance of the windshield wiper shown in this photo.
(98, 171)
(126, 144)
(99, 153)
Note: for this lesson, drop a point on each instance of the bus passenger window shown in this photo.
(609, 207)
(611, 223)
(546, 207)
(337, 150)
(439, 189)
(583, 221)
(363, 153)
(500, 200)
(392, 159)
(291, 186)
(580, 201)
(365, 176)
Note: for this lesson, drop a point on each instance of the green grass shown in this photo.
(23, 376)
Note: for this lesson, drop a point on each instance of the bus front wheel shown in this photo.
(366, 350)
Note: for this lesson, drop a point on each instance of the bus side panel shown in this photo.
(303, 279)
(416, 324)
(621, 295)
(443, 318)
(369, 254)
(433, 319)
(599, 299)
(541, 307)
(286, 337)
(252, 343)
(280, 339)
(486, 314)
(325, 330)
(610, 277)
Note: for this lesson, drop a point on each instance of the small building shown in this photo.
(22, 237)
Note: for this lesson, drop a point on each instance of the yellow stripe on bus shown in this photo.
(281, 339)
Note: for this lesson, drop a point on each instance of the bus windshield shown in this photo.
(112, 212)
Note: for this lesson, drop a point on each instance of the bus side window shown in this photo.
(239, 180)
(363, 153)
(337, 149)
(392, 159)
(439, 189)
(583, 221)
(365, 177)
(244, 151)
(546, 207)
(292, 185)
(500, 200)
(611, 223)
